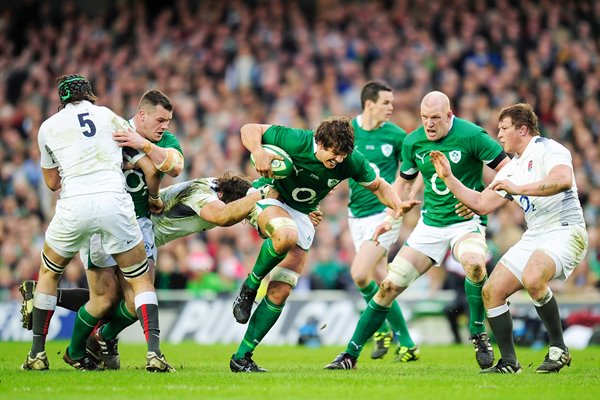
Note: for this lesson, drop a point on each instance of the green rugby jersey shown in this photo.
(181, 214)
(467, 147)
(135, 182)
(310, 181)
(382, 146)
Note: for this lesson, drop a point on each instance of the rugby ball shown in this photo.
(281, 168)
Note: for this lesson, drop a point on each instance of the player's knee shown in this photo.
(283, 232)
(284, 240)
(401, 273)
(388, 290)
(475, 272)
(534, 284)
(360, 277)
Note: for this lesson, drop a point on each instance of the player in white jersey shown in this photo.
(79, 156)
(540, 178)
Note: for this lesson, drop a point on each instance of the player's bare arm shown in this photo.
(252, 140)
(52, 178)
(388, 196)
(481, 203)
(222, 214)
(166, 160)
(558, 180)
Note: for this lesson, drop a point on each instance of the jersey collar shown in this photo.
(359, 122)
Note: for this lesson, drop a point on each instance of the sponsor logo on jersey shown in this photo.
(421, 157)
(332, 182)
(369, 147)
(314, 176)
(387, 149)
(530, 166)
(297, 170)
(455, 156)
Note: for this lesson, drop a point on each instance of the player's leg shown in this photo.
(406, 267)
(370, 255)
(104, 294)
(556, 256)
(134, 266)
(282, 234)
(283, 279)
(471, 251)
(103, 343)
(44, 304)
(500, 285)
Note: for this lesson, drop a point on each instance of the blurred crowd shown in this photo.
(230, 62)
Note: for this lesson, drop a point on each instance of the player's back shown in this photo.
(79, 141)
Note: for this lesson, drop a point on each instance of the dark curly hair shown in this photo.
(74, 88)
(232, 187)
(336, 134)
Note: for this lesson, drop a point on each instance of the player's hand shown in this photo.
(382, 228)
(262, 162)
(463, 211)
(441, 164)
(155, 205)
(505, 185)
(406, 206)
(316, 217)
(129, 138)
(273, 193)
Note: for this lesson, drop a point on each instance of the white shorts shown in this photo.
(306, 230)
(362, 230)
(109, 215)
(93, 254)
(434, 241)
(567, 246)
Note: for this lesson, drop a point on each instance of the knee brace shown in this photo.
(402, 273)
(285, 275)
(51, 265)
(475, 245)
(135, 270)
(278, 223)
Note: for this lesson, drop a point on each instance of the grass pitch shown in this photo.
(448, 372)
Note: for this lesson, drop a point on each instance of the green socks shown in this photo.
(84, 325)
(370, 320)
(476, 308)
(262, 320)
(120, 320)
(395, 317)
(267, 259)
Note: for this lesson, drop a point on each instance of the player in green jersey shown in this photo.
(322, 159)
(381, 142)
(468, 147)
(148, 137)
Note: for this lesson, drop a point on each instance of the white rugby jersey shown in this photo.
(78, 140)
(542, 213)
(181, 213)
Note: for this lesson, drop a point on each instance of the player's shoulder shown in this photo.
(467, 128)
(415, 136)
(547, 145)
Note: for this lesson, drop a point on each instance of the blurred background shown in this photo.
(227, 63)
